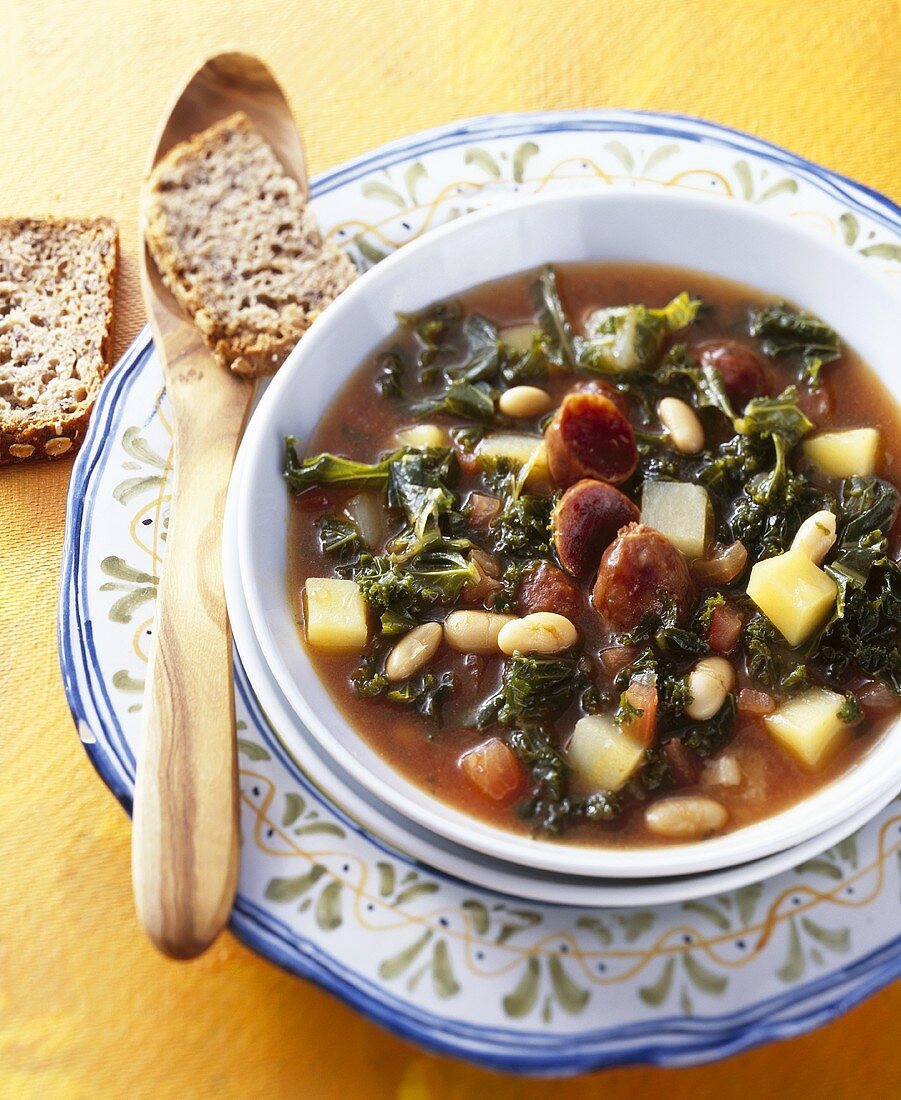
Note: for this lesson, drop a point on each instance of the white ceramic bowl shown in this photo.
(725, 238)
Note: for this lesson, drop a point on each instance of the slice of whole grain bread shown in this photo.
(238, 246)
(57, 277)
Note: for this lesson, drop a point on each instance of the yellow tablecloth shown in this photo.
(87, 1009)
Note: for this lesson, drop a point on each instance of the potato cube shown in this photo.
(422, 435)
(519, 337)
(681, 512)
(793, 593)
(809, 727)
(844, 454)
(517, 448)
(601, 755)
(336, 615)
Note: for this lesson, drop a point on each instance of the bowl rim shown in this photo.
(440, 817)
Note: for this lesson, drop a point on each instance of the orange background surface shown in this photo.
(87, 1009)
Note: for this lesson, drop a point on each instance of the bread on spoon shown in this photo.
(237, 244)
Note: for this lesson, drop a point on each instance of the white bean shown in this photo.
(422, 435)
(413, 651)
(475, 631)
(816, 536)
(524, 401)
(686, 432)
(686, 817)
(541, 632)
(709, 682)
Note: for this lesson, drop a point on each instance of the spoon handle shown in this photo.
(185, 837)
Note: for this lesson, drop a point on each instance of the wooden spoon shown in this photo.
(185, 838)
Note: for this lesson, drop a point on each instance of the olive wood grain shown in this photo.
(185, 835)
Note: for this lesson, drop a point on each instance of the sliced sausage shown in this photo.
(597, 385)
(590, 437)
(546, 588)
(586, 520)
(640, 571)
(743, 372)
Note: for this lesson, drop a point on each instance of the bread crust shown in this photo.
(28, 440)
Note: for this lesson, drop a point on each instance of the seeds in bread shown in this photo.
(237, 245)
(57, 278)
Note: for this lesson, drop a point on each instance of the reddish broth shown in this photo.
(360, 423)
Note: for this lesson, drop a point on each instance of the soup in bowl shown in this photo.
(589, 563)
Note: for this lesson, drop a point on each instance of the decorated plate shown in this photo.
(523, 986)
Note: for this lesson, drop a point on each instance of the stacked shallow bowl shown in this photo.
(736, 242)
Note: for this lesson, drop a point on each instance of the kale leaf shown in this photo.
(550, 808)
(775, 418)
(463, 399)
(868, 506)
(523, 528)
(484, 350)
(562, 345)
(425, 692)
(416, 484)
(850, 711)
(774, 500)
(706, 738)
(770, 661)
(434, 326)
(329, 469)
(339, 539)
(403, 592)
(655, 772)
(390, 370)
(532, 688)
(808, 341)
(864, 630)
(666, 637)
(529, 366)
(704, 383)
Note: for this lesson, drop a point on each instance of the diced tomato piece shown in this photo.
(493, 769)
(725, 628)
(643, 697)
(755, 703)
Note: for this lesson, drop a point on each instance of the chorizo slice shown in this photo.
(598, 385)
(590, 437)
(741, 369)
(544, 587)
(641, 571)
(585, 521)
